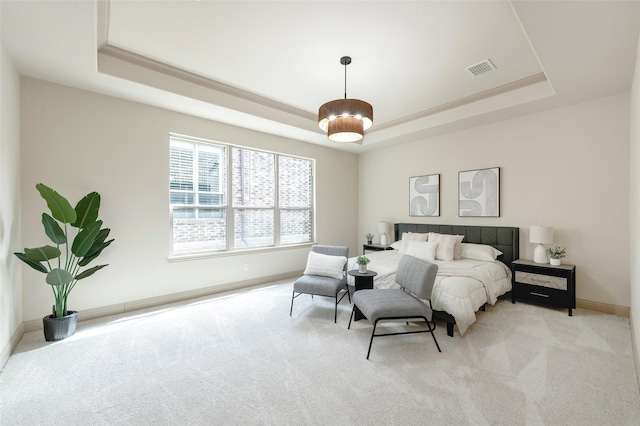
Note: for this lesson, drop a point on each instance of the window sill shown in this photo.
(218, 254)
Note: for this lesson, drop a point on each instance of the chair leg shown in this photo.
(335, 316)
(292, 297)
(433, 335)
(351, 317)
(373, 333)
(434, 339)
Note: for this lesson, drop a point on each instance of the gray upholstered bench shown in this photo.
(416, 278)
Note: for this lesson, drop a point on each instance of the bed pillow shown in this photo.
(480, 252)
(325, 265)
(446, 245)
(412, 236)
(422, 250)
(397, 245)
(457, 248)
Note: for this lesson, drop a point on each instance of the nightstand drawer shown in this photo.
(549, 281)
(539, 294)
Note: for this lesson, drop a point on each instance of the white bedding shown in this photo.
(461, 287)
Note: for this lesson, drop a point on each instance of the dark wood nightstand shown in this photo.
(545, 284)
(375, 247)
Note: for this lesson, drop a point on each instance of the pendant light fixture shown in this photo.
(345, 120)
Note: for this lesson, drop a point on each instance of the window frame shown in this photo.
(229, 210)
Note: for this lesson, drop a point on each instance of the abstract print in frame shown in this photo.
(424, 195)
(479, 193)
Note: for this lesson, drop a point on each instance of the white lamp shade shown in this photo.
(541, 234)
(384, 229)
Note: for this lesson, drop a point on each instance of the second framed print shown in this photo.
(424, 195)
(479, 193)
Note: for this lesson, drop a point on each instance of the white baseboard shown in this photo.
(634, 347)
(622, 311)
(11, 345)
(120, 308)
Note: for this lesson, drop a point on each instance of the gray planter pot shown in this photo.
(59, 328)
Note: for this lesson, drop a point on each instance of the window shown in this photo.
(295, 184)
(270, 203)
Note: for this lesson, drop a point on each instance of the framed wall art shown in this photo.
(424, 195)
(479, 193)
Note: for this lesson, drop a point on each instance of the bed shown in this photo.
(463, 286)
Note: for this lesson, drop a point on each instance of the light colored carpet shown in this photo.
(240, 359)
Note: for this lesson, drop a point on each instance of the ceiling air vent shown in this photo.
(480, 68)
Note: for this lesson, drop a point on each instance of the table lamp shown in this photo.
(383, 229)
(540, 235)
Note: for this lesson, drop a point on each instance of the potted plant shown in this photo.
(362, 263)
(63, 266)
(369, 238)
(556, 254)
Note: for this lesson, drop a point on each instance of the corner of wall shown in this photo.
(634, 210)
(10, 207)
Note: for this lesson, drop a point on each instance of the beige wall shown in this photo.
(634, 212)
(77, 142)
(10, 277)
(567, 168)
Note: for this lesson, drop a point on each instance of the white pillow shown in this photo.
(446, 245)
(325, 265)
(411, 236)
(457, 248)
(422, 250)
(479, 252)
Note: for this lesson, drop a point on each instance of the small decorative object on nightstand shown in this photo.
(544, 284)
(369, 238)
(556, 254)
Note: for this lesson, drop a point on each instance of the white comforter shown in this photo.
(461, 287)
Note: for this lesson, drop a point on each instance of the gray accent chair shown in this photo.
(324, 286)
(416, 278)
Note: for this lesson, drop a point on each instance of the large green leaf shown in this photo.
(91, 255)
(59, 276)
(40, 254)
(97, 242)
(87, 210)
(35, 265)
(84, 240)
(89, 272)
(53, 230)
(59, 206)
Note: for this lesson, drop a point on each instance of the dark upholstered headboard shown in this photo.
(504, 238)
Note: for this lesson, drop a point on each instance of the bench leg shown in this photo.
(431, 331)
(373, 333)
(351, 317)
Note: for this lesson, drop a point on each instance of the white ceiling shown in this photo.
(269, 65)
